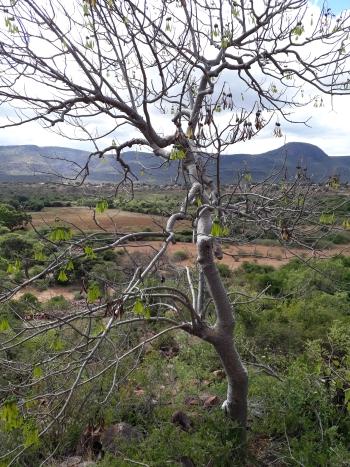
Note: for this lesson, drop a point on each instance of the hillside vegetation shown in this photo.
(295, 340)
(292, 330)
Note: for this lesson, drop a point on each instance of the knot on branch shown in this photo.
(218, 250)
(205, 250)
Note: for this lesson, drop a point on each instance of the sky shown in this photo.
(336, 5)
(327, 128)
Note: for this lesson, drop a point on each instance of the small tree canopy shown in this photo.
(11, 218)
(185, 79)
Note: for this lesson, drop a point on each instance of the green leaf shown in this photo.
(30, 435)
(93, 293)
(138, 307)
(147, 313)
(10, 416)
(57, 343)
(39, 255)
(62, 276)
(225, 232)
(298, 30)
(334, 183)
(217, 230)
(15, 267)
(198, 201)
(4, 325)
(99, 328)
(70, 266)
(101, 206)
(59, 234)
(235, 12)
(88, 250)
(37, 372)
(85, 9)
(177, 153)
(346, 224)
(225, 42)
(327, 219)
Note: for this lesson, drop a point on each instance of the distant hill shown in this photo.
(34, 163)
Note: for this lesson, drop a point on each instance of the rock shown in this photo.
(219, 374)
(192, 400)
(119, 432)
(206, 400)
(209, 401)
(138, 391)
(182, 420)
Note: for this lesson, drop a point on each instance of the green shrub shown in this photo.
(180, 255)
(224, 270)
(35, 270)
(30, 300)
(110, 255)
(57, 303)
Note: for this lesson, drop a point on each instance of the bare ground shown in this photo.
(112, 220)
(121, 221)
(235, 255)
(44, 295)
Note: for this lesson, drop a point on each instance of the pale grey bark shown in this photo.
(222, 334)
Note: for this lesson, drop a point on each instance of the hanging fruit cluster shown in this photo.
(277, 131)
(259, 121)
(298, 30)
(318, 103)
(216, 30)
(227, 101)
(247, 130)
(168, 24)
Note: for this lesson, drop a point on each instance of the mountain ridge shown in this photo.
(45, 163)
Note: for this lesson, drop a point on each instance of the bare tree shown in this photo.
(216, 72)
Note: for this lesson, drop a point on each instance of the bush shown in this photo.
(57, 303)
(29, 299)
(33, 271)
(180, 255)
(110, 255)
(224, 270)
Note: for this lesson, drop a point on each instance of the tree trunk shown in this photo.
(222, 336)
(237, 388)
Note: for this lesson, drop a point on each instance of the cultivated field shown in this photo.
(112, 220)
(115, 220)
